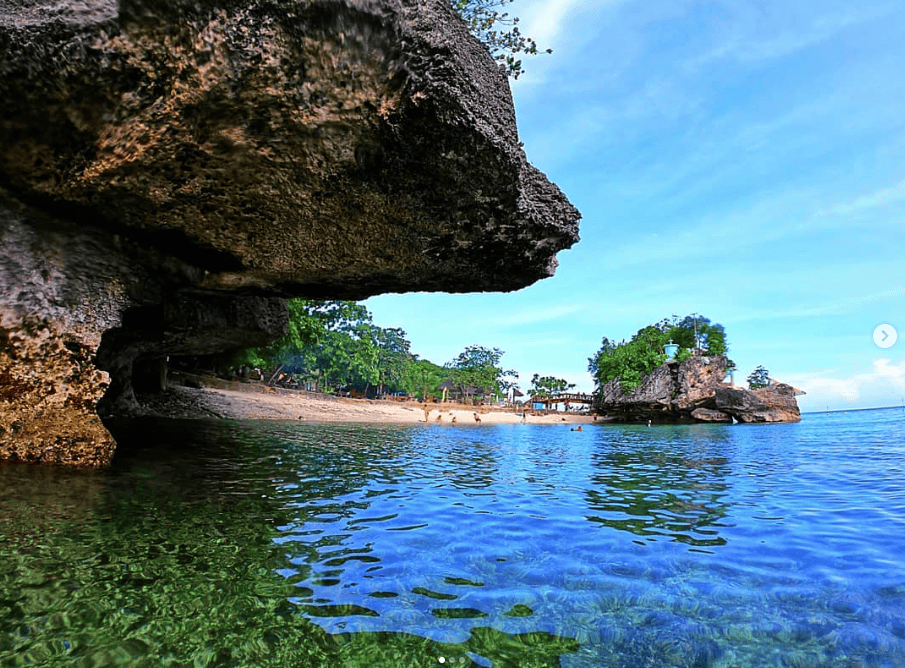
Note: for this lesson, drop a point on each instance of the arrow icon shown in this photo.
(885, 335)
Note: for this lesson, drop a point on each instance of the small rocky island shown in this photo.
(171, 172)
(694, 391)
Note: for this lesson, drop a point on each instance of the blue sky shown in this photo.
(742, 160)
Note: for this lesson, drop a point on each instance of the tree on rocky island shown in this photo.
(631, 361)
(758, 378)
(499, 32)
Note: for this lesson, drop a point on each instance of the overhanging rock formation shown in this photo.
(169, 171)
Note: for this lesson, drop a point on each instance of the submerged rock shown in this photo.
(170, 171)
(694, 391)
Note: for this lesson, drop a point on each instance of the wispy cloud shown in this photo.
(884, 381)
(756, 33)
(552, 17)
(834, 307)
(883, 197)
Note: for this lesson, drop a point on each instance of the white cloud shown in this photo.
(896, 374)
(552, 17)
(847, 389)
(882, 385)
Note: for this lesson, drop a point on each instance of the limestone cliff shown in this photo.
(169, 171)
(693, 391)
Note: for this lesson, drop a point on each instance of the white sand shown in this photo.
(257, 401)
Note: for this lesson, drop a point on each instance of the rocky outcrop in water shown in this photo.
(170, 171)
(694, 391)
(774, 403)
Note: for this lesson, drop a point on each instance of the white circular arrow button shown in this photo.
(885, 336)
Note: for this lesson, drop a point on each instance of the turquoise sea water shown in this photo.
(285, 544)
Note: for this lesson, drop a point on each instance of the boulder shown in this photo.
(171, 171)
(774, 403)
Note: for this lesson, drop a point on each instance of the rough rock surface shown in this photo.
(693, 390)
(170, 170)
(48, 390)
(774, 403)
(710, 415)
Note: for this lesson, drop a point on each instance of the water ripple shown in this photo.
(700, 545)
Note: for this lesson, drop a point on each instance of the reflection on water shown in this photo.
(670, 489)
(249, 544)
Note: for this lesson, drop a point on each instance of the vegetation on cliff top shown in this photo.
(758, 378)
(499, 32)
(630, 361)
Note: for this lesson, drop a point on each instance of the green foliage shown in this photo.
(422, 377)
(332, 343)
(631, 361)
(336, 344)
(711, 338)
(760, 377)
(477, 369)
(546, 386)
(498, 31)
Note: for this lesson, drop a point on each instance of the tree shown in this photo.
(760, 377)
(309, 321)
(498, 31)
(628, 362)
(631, 361)
(329, 343)
(710, 337)
(422, 376)
(393, 353)
(548, 386)
(477, 369)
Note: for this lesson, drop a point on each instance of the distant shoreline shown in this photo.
(217, 398)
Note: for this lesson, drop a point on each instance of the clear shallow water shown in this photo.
(280, 544)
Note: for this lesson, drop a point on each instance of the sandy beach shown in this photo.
(255, 401)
